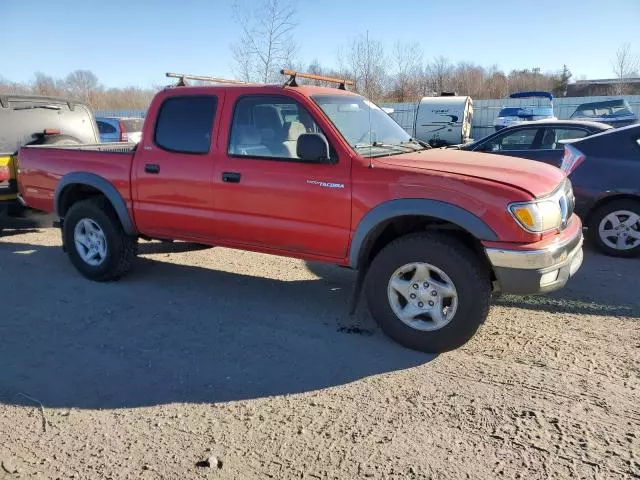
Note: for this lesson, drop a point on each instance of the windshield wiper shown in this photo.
(47, 107)
(394, 146)
(424, 145)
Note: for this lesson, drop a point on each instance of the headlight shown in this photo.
(538, 216)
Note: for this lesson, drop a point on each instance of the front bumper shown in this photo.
(527, 272)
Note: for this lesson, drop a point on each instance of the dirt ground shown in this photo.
(252, 361)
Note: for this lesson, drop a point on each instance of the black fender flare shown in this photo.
(101, 184)
(378, 217)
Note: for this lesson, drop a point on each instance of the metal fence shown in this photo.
(120, 113)
(484, 111)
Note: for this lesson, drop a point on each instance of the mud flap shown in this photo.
(60, 224)
(357, 289)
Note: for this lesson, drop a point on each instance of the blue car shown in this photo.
(114, 129)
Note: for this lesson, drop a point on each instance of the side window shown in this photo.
(552, 136)
(268, 126)
(185, 124)
(105, 128)
(521, 139)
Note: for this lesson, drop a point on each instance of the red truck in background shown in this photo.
(319, 174)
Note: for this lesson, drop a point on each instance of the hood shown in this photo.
(536, 178)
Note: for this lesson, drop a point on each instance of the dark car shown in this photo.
(616, 113)
(540, 140)
(605, 172)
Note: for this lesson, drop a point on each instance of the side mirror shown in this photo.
(313, 147)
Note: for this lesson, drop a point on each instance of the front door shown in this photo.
(265, 195)
(174, 168)
(515, 142)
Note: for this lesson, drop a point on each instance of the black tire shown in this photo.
(460, 264)
(598, 216)
(121, 248)
(59, 139)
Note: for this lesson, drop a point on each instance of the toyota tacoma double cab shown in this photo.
(320, 174)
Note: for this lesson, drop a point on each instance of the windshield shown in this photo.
(509, 112)
(366, 127)
(526, 112)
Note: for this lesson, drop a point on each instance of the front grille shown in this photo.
(567, 203)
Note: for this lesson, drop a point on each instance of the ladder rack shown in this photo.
(182, 76)
(291, 82)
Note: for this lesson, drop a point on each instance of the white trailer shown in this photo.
(444, 120)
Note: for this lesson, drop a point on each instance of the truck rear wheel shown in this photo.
(428, 292)
(96, 243)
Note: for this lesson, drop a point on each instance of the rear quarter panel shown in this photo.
(41, 168)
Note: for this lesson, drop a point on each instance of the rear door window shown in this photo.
(185, 124)
(552, 137)
(105, 128)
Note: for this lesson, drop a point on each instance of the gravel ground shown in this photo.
(224, 364)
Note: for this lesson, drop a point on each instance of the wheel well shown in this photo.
(605, 201)
(75, 193)
(394, 228)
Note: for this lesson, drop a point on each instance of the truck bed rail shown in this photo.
(120, 147)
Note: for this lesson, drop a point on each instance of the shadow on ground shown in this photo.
(603, 286)
(176, 333)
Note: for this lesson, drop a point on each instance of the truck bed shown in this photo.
(42, 166)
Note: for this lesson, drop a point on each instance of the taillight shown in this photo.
(4, 174)
(123, 131)
(572, 159)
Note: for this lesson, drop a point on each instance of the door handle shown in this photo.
(152, 168)
(231, 177)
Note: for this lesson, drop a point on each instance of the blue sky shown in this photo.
(134, 42)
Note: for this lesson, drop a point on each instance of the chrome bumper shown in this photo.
(536, 271)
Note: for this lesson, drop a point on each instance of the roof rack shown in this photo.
(291, 82)
(182, 76)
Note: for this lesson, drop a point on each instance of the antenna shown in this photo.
(370, 132)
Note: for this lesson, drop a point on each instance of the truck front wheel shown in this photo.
(428, 292)
(96, 243)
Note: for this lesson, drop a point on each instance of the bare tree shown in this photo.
(496, 84)
(408, 60)
(45, 85)
(625, 65)
(365, 63)
(468, 79)
(81, 84)
(439, 72)
(267, 43)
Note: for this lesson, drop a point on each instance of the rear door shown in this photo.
(266, 196)
(551, 148)
(173, 169)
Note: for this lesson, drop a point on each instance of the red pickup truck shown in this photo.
(320, 174)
